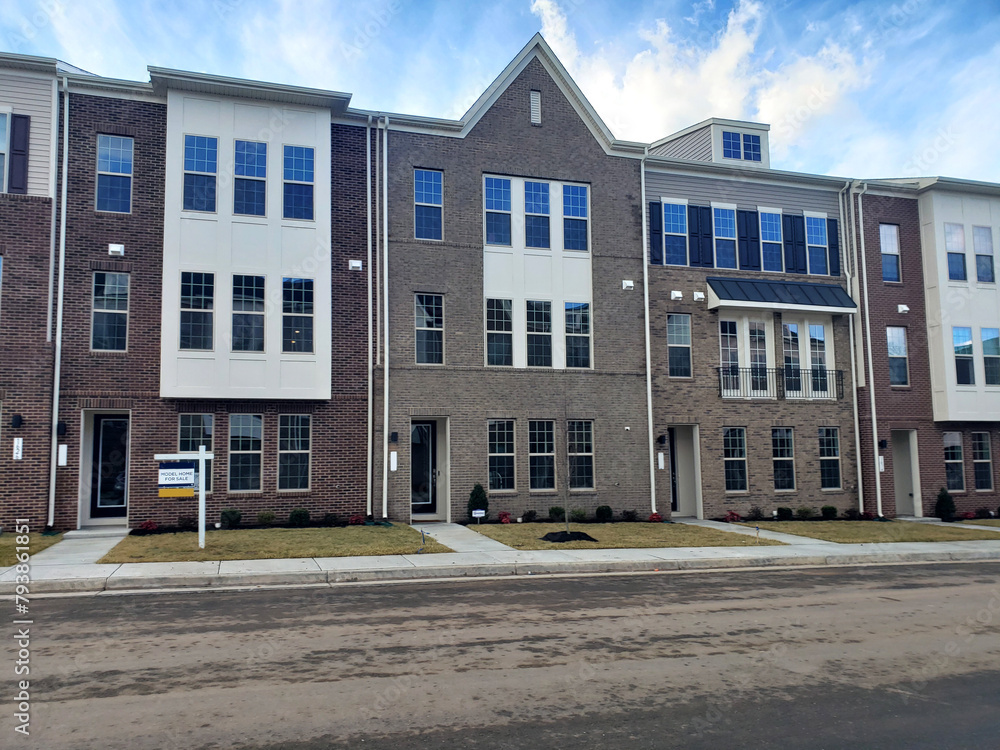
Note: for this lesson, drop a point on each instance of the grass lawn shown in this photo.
(868, 532)
(984, 521)
(36, 544)
(259, 544)
(615, 535)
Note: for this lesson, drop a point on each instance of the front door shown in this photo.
(109, 478)
(673, 469)
(423, 467)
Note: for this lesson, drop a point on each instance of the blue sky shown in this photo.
(864, 89)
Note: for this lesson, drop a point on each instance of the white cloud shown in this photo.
(97, 41)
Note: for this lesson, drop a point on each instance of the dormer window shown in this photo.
(741, 146)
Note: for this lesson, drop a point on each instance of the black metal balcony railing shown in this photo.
(789, 383)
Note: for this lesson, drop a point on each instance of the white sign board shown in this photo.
(177, 475)
(18, 449)
(63, 456)
(393, 461)
(479, 514)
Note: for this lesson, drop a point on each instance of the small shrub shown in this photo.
(655, 518)
(733, 517)
(530, 516)
(331, 519)
(266, 517)
(578, 515)
(983, 513)
(756, 513)
(187, 523)
(630, 515)
(358, 519)
(504, 516)
(828, 512)
(785, 514)
(852, 514)
(604, 514)
(968, 515)
(805, 513)
(557, 513)
(298, 517)
(231, 518)
(944, 508)
(478, 500)
(148, 526)
(867, 516)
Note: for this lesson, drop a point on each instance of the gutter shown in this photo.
(851, 270)
(368, 268)
(645, 293)
(385, 318)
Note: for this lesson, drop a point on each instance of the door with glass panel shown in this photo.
(423, 467)
(109, 475)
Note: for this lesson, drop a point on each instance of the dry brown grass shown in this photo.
(871, 532)
(616, 535)
(36, 544)
(984, 522)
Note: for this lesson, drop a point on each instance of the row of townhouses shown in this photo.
(362, 312)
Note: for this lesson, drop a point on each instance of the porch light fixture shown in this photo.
(699, 296)
(902, 308)
(17, 421)
(676, 295)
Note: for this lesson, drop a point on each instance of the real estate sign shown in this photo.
(177, 479)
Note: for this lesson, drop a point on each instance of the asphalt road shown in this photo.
(873, 657)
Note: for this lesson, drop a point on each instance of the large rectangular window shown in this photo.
(817, 352)
(114, 173)
(729, 356)
(196, 430)
(109, 327)
(580, 434)
(982, 460)
(541, 455)
(954, 242)
(982, 243)
(248, 313)
(575, 212)
(299, 176)
(539, 327)
(751, 147)
(197, 300)
(430, 329)
(816, 241)
(783, 456)
(829, 458)
(294, 441)
(246, 436)
(578, 334)
(991, 355)
(731, 146)
(965, 370)
(499, 333)
(771, 242)
(734, 451)
(792, 357)
(675, 234)
(725, 237)
(201, 163)
(954, 464)
(899, 371)
(297, 315)
(536, 214)
(501, 440)
(679, 345)
(889, 240)
(497, 193)
(250, 179)
(428, 202)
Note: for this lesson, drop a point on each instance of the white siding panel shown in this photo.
(696, 146)
(33, 97)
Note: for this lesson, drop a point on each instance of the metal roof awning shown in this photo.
(758, 294)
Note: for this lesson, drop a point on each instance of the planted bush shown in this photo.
(983, 513)
(756, 513)
(805, 513)
(504, 516)
(298, 517)
(944, 508)
(557, 513)
(828, 512)
(529, 516)
(231, 518)
(852, 514)
(478, 500)
(266, 517)
(578, 515)
(331, 519)
(630, 515)
(187, 523)
(358, 519)
(604, 514)
(655, 518)
(785, 514)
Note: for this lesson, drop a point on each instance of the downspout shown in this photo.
(378, 240)
(645, 297)
(53, 178)
(385, 318)
(368, 268)
(851, 269)
(868, 347)
(57, 364)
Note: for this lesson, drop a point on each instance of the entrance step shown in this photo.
(97, 532)
(459, 538)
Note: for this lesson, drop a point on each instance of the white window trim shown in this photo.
(98, 172)
(513, 489)
(988, 460)
(431, 205)
(592, 454)
(209, 449)
(760, 231)
(212, 312)
(806, 215)
(589, 335)
(230, 453)
(961, 461)
(5, 150)
(743, 351)
(991, 254)
(418, 328)
(550, 334)
(986, 356)
(953, 360)
(513, 212)
(795, 479)
(735, 239)
(185, 171)
(906, 346)
(524, 190)
(722, 144)
(94, 310)
(897, 252)
(744, 459)
(687, 235)
(277, 466)
(487, 331)
(838, 458)
(555, 472)
(233, 312)
(690, 347)
(311, 316)
(297, 182)
(805, 349)
(267, 169)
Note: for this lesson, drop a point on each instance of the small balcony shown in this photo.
(786, 383)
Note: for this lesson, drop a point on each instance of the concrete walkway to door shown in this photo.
(460, 538)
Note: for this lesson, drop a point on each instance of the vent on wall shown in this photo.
(536, 107)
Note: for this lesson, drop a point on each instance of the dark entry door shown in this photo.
(423, 467)
(673, 469)
(109, 479)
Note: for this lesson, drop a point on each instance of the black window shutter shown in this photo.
(655, 233)
(748, 239)
(17, 175)
(794, 230)
(787, 232)
(700, 231)
(694, 237)
(834, 240)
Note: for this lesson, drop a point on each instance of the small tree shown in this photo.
(478, 500)
(944, 508)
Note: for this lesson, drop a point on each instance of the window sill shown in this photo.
(831, 489)
(502, 492)
(102, 212)
(737, 492)
(990, 490)
(108, 353)
(247, 493)
(295, 493)
(906, 387)
(553, 491)
(582, 490)
(886, 282)
(787, 492)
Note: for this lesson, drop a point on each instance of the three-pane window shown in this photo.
(499, 333)
(734, 451)
(197, 299)
(196, 430)
(294, 441)
(246, 432)
(428, 202)
(248, 313)
(250, 180)
(541, 455)
(954, 463)
(299, 174)
(109, 327)
(783, 456)
(201, 163)
(297, 315)
(679, 345)
(430, 329)
(829, 458)
(539, 327)
(501, 456)
(889, 240)
(899, 373)
(578, 334)
(114, 173)
(580, 447)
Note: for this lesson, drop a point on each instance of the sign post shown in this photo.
(178, 479)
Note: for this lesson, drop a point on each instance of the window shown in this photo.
(201, 160)
(816, 242)
(248, 313)
(299, 176)
(297, 315)
(294, 438)
(675, 234)
(731, 145)
(991, 355)
(679, 345)
(982, 243)
(899, 373)
(109, 328)
(982, 462)
(430, 329)
(770, 238)
(954, 465)
(250, 180)
(499, 336)
(965, 373)
(751, 147)
(783, 456)
(575, 217)
(245, 439)
(197, 296)
(829, 458)
(501, 438)
(580, 448)
(729, 355)
(725, 237)
(539, 334)
(817, 351)
(954, 242)
(889, 239)
(536, 214)
(427, 204)
(790, 350)
(114, 173)
(578, 334)
(734, 450)
(758, 356)
(541, 458)
(196, 430)
(497, 211)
